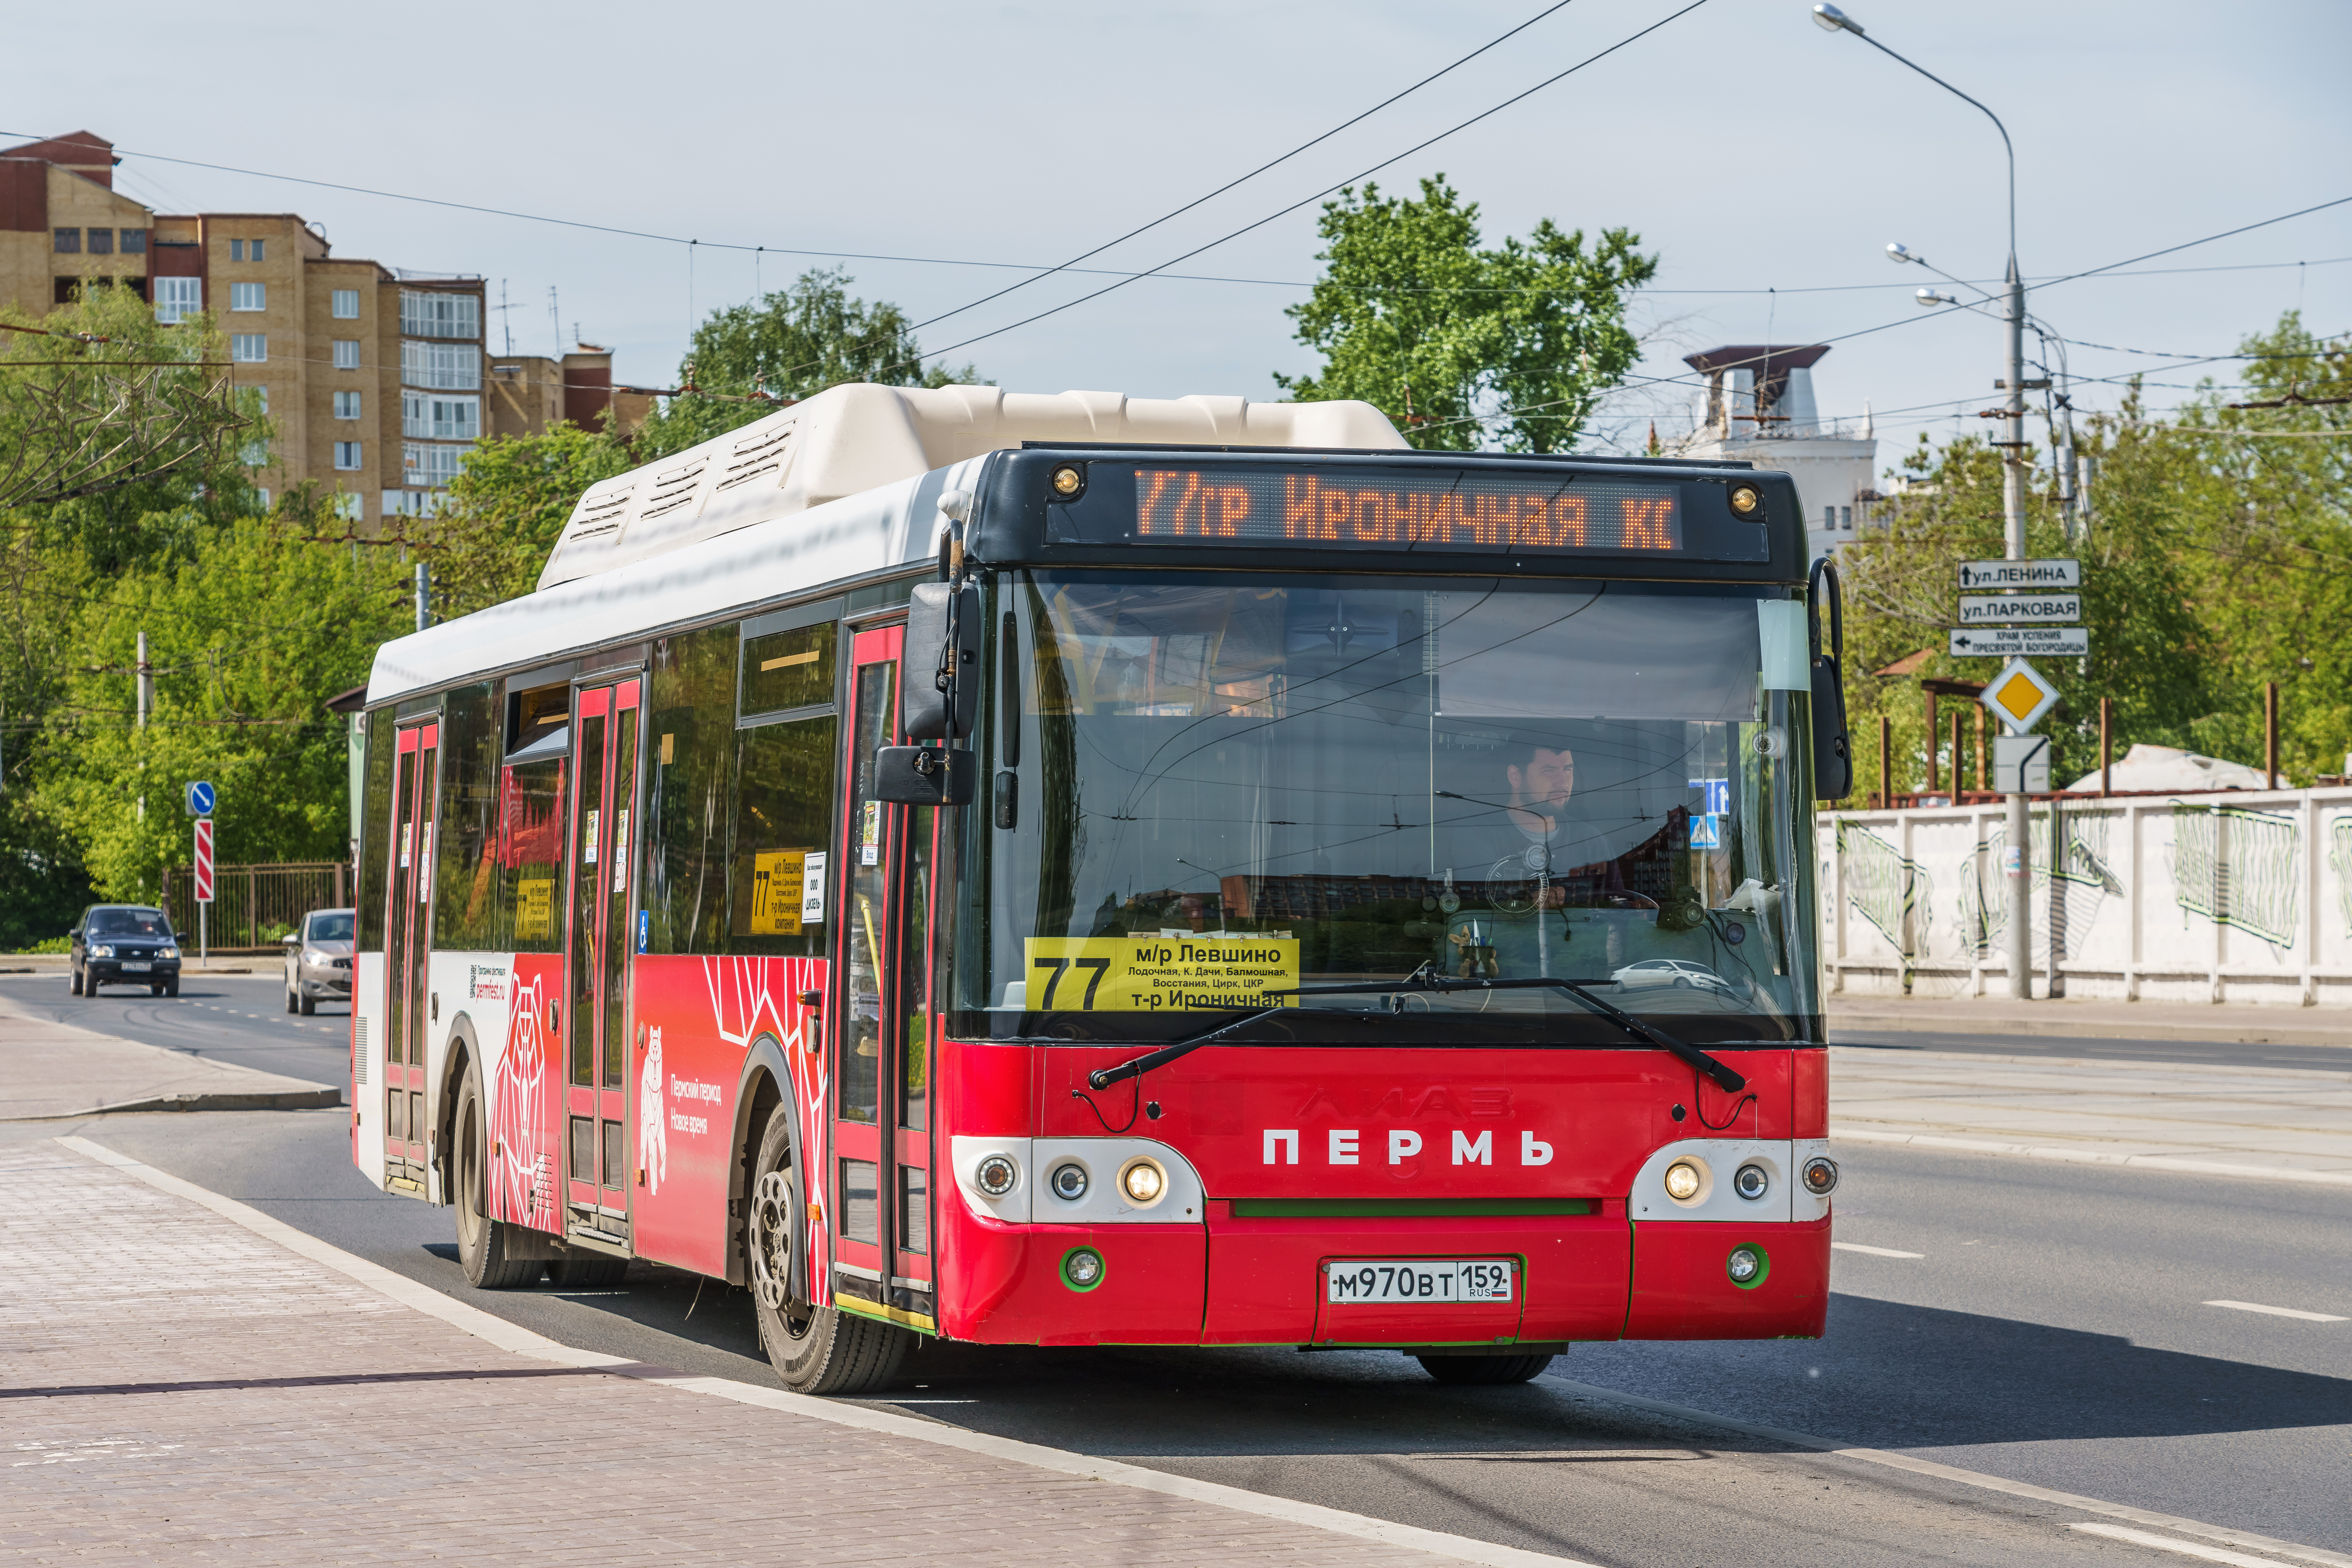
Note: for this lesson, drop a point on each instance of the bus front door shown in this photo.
(408, 935)
(882, 1122)
(604, 762)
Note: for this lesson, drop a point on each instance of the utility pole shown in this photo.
(2017, 861)
(146, 681)
(424, 595)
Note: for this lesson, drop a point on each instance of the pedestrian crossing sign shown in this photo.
(1707, 832)
(2021, 695)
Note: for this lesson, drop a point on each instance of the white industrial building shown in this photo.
(1759, 404)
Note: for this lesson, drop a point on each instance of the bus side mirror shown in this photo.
(924, 776)
(1832, 747)
(938, 668)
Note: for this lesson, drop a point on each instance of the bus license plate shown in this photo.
(1418, 1279)
(136, 967)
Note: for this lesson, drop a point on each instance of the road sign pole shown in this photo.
(2012, 507)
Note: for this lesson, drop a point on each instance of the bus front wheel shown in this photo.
(482, 1242)
(815, 1349)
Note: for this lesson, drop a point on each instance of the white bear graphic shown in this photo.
(653, 1119)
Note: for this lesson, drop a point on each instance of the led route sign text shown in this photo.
(1459, 510)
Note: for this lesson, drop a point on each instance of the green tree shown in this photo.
(119, 433)
(247, 639)
(508, 506)
(748, 359)
(1462, 346)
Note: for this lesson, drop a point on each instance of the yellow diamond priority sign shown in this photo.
(2020, 695)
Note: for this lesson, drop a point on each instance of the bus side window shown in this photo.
(783, 821)
(465, 898)
(533, 843)
(377, 826)
(689, 786)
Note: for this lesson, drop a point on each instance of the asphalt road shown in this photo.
(2052, 1330)
(2304, 1058)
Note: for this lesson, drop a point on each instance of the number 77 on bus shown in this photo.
(1070, 871)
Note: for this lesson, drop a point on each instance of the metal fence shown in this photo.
(254, 906)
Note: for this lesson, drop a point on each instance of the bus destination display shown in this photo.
(1461, 510)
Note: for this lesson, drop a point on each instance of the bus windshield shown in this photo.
(1229, 786)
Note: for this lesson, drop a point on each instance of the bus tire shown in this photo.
(1482, 1371)
(482, 1242)
(815, 1349)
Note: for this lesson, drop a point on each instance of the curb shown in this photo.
(2056, 1028)
(319, 1097)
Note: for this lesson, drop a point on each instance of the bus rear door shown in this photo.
(408, 932)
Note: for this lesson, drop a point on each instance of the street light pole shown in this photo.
(2012, 499)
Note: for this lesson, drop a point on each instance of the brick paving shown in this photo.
(175, 1387)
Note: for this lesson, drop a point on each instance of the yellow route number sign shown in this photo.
(777, 876)
(1158, 974)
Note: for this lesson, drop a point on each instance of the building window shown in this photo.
(249, 348)
(260, 399)
(346, 304)
(430, 418)
(102, 242)
(411, 503)
(350, 507)
(347, 454)
(424, 315)
(445, 367)
(347, 353)
(256, 454)
(69, 241)
(236, 250)
(423, 465)
(261, 497)
(178, 296)
(249, 296)
(347, 405)
(134, 242)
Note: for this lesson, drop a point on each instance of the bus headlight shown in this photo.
(1751, 1182)
(1143, 1181)
(1748, 1266)
(1068, 1181)
(996, 1175)
(1683, 1181)
(1820, 1175)
(1082, 1269)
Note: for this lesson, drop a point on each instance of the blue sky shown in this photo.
(1760, 156)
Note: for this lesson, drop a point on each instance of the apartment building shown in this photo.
(373, 376)
(526, 393)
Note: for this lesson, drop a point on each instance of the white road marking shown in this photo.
(2186, 1548)
(1874, 1251)
(2281, 1311)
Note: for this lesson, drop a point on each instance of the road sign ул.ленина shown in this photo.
(1980, 575)
(200, 798)
(2015, 642)
(204, 859)
(2019, 696)
(1993, 610)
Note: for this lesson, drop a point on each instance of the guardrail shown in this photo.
(254, 906)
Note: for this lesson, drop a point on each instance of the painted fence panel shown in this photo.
(2244, 896)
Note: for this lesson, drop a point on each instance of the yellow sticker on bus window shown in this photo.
(534, 909)
(1158, 974)
(776, 879)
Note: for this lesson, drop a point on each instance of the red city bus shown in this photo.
(1076, 870)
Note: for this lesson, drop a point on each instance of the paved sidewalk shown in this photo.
(53, 1070)
(2282, 1123)
(2235, 1024)
(176, 1384)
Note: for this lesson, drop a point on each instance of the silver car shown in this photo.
(319, 961)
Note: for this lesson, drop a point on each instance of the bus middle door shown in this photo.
(408, 935)
(604, 762)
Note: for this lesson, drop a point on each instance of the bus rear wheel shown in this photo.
(1482, 1371)
(815, 1349)
(482, 1242)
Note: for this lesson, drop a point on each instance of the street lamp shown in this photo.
(2013, 489)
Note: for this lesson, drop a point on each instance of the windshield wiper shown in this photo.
(1103, 1077)
(1421, 979)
